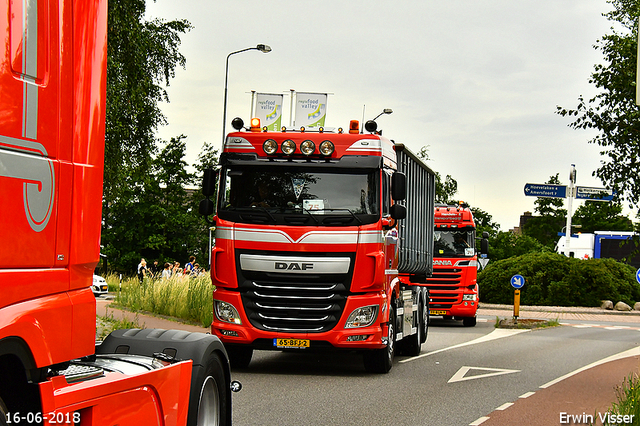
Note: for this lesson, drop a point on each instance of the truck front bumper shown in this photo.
(245, 333)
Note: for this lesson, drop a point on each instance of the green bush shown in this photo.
(555, 280)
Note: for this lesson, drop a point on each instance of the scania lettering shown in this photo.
(453, 287)
(52, 133)
(312, 232)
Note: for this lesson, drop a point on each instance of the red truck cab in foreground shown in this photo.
(313, 230)
(53, 57)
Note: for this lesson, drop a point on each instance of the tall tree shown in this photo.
(601, 216)
(613, 111)
(141, 59)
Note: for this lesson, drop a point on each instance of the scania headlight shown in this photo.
(469, 297)
(288, 147)
(362, 317)
(226, 312)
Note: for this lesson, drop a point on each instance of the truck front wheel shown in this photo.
(469, 321)
(381, 360)
(208, 399)
(239, 356)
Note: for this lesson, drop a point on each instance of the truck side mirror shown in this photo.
(484, 245)
(209, 180)
(206, 207)
(398, 212)
(399, 186)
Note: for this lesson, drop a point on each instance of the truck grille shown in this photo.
(444, 287)
(291, 302)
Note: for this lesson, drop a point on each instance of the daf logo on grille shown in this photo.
(293, 266)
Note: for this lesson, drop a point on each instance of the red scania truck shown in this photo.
(53, 57)
(312, 232)
(453, 287)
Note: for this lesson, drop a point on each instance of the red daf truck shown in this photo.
(453, 287)
(53, 57)
(312, 232)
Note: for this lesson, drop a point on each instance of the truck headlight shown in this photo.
(226, 312)
(362, 317)
(469, 297)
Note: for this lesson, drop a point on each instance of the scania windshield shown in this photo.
(454, 243)
(295, 196)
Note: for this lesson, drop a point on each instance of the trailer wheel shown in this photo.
(208, 399)
(427, 318)
(381, 360)
(469, 321)
(239, 356)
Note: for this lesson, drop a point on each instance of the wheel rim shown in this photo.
(208, 414)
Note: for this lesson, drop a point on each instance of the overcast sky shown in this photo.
(478, 81)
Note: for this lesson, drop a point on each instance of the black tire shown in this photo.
(208, 400)
(469, 321)
(381, 360)
(239, 356)
(427, 316)
(3, 413)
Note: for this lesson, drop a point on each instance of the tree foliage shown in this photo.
(141, 60)
(613, 111)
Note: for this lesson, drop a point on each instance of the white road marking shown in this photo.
(460, 374)
(498, 333)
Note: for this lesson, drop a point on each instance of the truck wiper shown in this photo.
(254, 209)
(345, 209)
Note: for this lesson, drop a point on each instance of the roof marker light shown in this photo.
(288, 147)
(255, 124)
(354, 126)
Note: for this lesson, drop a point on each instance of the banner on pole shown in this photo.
(269, 110)
(311, 109)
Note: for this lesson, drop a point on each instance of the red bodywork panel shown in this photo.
(53, 57)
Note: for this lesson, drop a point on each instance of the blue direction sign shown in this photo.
(545, 190)
(517, 281)
(596, 194)
(638, 275)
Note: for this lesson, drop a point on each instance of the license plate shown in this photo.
(434, 312)
(291, 343)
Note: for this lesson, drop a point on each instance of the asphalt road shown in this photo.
(462, 375)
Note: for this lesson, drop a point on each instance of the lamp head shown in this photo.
(263, 48)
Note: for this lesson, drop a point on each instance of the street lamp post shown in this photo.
(262, 48)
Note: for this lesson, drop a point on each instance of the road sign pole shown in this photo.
(516, 305)
(570, 195)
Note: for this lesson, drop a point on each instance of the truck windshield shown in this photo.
(454, 243)
(299, 197)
